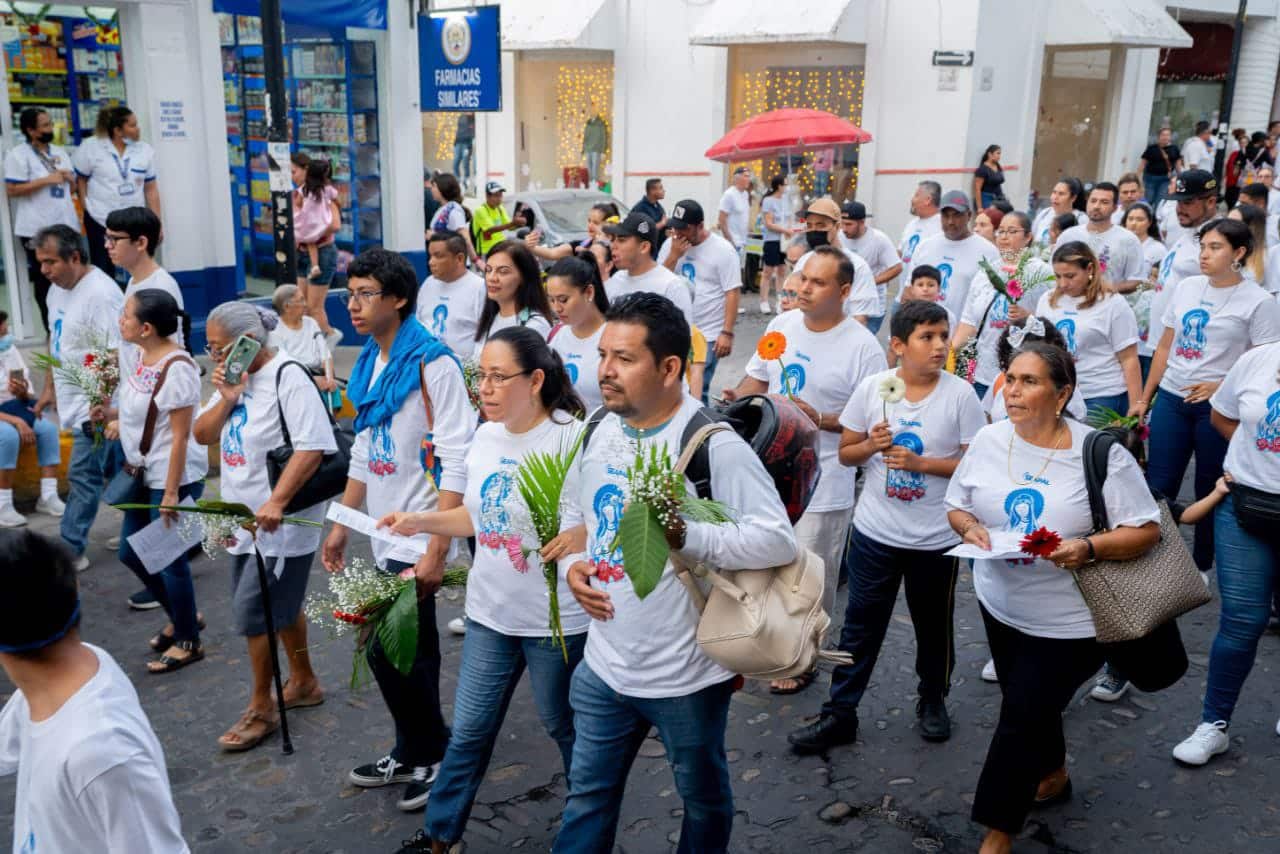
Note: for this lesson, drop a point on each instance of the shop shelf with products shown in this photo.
(96, 69)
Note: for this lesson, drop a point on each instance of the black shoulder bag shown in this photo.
(330, 479)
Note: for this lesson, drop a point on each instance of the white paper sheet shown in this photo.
(157, 546)
(367, 525)
(1003, 544)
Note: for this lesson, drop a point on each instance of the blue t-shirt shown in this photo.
(653, 210)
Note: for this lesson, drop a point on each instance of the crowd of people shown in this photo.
(1011, 338)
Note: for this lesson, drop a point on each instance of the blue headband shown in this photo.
(41, 644)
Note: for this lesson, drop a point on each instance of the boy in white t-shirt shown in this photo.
(908, 427)
(91, 773)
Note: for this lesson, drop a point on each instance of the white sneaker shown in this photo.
(11, 518)
(742, 309)
(1202, 745)
(458, 626)
(51, 506)
(113, 543)
(1109, 688)
(765, 308)
(989, 671)
(80, 564)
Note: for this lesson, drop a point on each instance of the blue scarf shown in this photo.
(414, 347)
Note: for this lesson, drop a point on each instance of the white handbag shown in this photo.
(762, 623)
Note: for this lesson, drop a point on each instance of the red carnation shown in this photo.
(88, 360)
(1040, 543)
(354, 619)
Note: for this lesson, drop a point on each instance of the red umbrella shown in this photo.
(779, 132)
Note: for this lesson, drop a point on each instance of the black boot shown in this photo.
(935, 724)
(826, 732)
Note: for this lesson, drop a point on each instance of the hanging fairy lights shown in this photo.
(583, 90)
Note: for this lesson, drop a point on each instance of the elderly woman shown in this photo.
(1020, 475)
(245, 420)
(299, 335)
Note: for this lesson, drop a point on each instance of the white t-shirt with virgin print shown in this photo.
(1214, 327)
(398, 471)
(506, 591)
(957, 261)
(1094, 336)
(904, 509)
(1250, 394)
(1182, 261)
(1011, 485)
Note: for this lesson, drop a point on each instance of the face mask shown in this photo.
(45, 138)
(6, 341)
(816, 239)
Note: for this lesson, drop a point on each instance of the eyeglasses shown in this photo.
(216, 353)
(112, 239)
(1010, 232)
(366, 297)
(498, 380)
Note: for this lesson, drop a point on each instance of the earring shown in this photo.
(1236, 266)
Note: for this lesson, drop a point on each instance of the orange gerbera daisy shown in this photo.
(772, 346)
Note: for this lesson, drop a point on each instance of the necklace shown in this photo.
(1043, 468)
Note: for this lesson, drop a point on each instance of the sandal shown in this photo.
(315, 698)
(168, 664)
(251, 730)
(162, 641)
(804, 680)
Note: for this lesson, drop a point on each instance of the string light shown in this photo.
(446, 130)
(583, 90)
(834, 90)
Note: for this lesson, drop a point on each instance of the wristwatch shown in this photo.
(1093, 555)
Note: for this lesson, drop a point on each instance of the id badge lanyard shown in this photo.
(126, 187)
(57, 191)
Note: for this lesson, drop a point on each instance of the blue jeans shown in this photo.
(1144, 362)
(709, 370)
(980, 389)
(593, 167)
(48, 451)
(327, 255)
(1156, 186)
(462, 160)
(874, 324)
(87, 473)
(172, 586)
(1247, 576)
(492, 664)
(1179, 430)
(820, 182)
(610, 729)
(1114, 402)
(876, 572)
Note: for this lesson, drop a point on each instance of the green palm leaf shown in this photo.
(644, 548)
(398, 630)
(216, 508)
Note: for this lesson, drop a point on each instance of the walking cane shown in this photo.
(287, 744)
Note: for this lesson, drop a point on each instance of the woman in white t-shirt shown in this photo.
(300, 336)
(247, 421)
(578, 299)
(452, 216)
(1246, 408)
(1034, 328)
(514, 295)
(1141, 220)
(19, 426)
(115, 169)
(1211, 320)
(773, 216)
(156, 372)
(1098, 328)
(527, 400)
(1018, 477)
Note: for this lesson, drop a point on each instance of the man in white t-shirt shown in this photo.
(451, 299)
(735, 209)
(633, 251)
(925, 222)
(873, 246)
(390, 472)
(84, 311)
(1195, 196)
(1197, 151)
(1118, 249)
(827, 354)
(642, 666)
(133, 235)
(1129, 186)
(955, 252)
(711, 266)
(822, 228)
(90, 771)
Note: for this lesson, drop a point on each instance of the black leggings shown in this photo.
(96, 233)
(38, 283)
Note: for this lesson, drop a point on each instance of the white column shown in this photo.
(400, 140)
(1256, 76)
(1129, 112)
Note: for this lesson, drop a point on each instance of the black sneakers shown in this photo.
(419, 844)
(826, 732)
(419, 788)
(385, 772)
(935, 723)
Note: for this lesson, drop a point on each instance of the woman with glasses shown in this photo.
(529, 406)
(987, 312)
(514, 292)
(247, 421)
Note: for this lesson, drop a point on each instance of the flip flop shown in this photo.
(804, 680)
(252, 729)
(167, 663)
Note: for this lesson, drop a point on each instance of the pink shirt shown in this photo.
(311, 220)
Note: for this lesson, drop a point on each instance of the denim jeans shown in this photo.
(462, 160)
(1144, 363)
(709, 370)
(1247, 576)
(593, 167)
(877, 571)
(1179, 430)
(172, 586)
(492, 664)
(414, 698)
(874, 323)
(610, 729)
(1114, 402)
(48, 450)
(980, 389)
(1156, 186)
(87, 473)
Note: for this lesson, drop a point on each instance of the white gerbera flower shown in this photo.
(891, 387)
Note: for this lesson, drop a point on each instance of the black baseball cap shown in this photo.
(635, 225)
(1193, 184)
(686, 212)
(854, 211)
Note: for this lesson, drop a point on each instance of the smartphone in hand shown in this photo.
(241, 355)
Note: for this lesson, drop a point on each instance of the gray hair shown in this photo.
(934, 189)
(243, 318)
(66, 241)
(281, 297)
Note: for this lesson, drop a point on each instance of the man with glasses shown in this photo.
(133, 235)
(404, 459)
(1118, 249)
